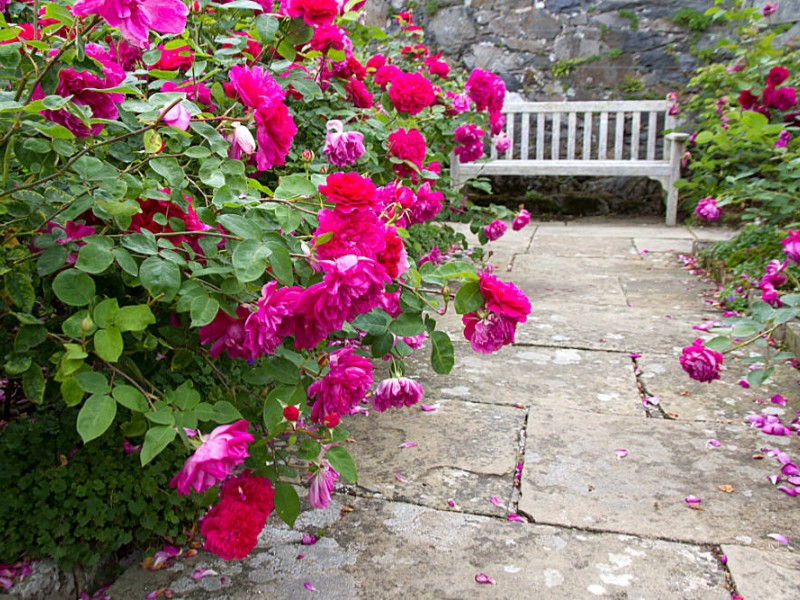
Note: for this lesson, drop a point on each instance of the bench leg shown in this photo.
(672, 203)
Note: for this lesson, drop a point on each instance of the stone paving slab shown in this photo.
(465, 451)
(570, 247)
(624, 329)
(652, 244)
(397, 550)
(764, 574)
(722, 400)
(535, 376)
(573, 478)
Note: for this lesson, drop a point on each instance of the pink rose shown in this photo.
(221, 452)
(701, 363)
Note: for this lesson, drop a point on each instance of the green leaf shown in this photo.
(169, 169)
(460, 269)
(341, 460)
(376, 322)
(126, 261)
(287, 502)
(95, 256)
(266, 27)
(203, 310)
(33, 384)
(134, 318)
(29, 336)
(241, 226)
(17, 364)
(407, 325)
(94, 169)
(96, 416)
(51, 260)
(108, 344)
(185, 397)
(469, 298)
(224, 412)
(20, 289)
(210, 173)
(74, 288)
(71, 392)
(249, 260)
(161, 417)
(105, 312)
(759, 376)
(131, 398)
(718, 343)
(160, 277)
(309, 449)
(92, 382)
(292, 187)
(155, 440)
(218, 144)
(281, 263)
(442, 356)
(140, 243)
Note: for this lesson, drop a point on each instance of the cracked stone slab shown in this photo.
(396, 550)
(573, 478)
(623, 329)
(664, 245)
(466, 452)
(722, 400)
(580, 379)
(772, 574)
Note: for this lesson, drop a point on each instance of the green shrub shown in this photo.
(691, 19)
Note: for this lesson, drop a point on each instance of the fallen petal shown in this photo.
(428, 407)
(518, 405)
(621, 452)
(496, 501)
(744, 383)
(712, 442)
(774, 479)
(728, 489)
(692, 500)
(790, 470)
(724, 559)
(517, 518)
(310, 586)
(781, 539)
(300, 557)
(451, 503)
(409, 445)
(399, 477)
(483, 578)
(309, 539)
(199, 573)
(635, 355)
(778, 399)
(788, 491)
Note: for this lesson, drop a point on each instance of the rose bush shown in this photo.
(205, 219)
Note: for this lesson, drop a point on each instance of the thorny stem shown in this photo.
(751, 340)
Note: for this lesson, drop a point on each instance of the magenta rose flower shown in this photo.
(495, 230)
(343, 148)
(701, 363)
(411, 93)
(791, 245)
(221, 452)
(396, 392)
(522, 219)
(470, 146)
(135, 18)
(707, 209)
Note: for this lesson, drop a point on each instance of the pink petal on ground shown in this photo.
(621, 452)
(774, 479)
(6, 583)
(692, 500)
(451, 503)
(483, 578)
(635, 355)
(310, 586)
(200, 573)
(309, 539)
(517, 518)
(788, 491)
(778, 399)
(790, 470)
(300, 557)
(399, 477)
(428, 407)
(496, 501)
(409, 445)
(744, 383)
(781, 539)
(713, 443)
(793, 480)
(724, 559)
(519, 406)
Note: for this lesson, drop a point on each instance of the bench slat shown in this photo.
(602, 142)
(510, 134)
(555, 149)
(622, 168)
(572, 125)
(636, 130)
(540, 136)
(587, 136)
(582, 106)
(524, 138)
(619, 136)
(652, 124)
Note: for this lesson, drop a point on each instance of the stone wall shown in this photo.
(572, 49)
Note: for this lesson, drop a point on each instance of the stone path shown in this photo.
(557, 405)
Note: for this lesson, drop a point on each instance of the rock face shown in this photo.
(573, 49)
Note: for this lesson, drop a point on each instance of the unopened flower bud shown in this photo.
(291, 413)
(307, 155)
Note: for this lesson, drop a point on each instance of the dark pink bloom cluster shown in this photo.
(227, 334)
(316, 13)
(232, 526)
(411, 92)
(494, 326)
(222, 450)
(521, 220)
(707, 209)
(784, 137)
(272, 321)
(149, 208)
(344, 385)
(396, 392)
(791, 246)
(135, 18)
(427, 204)
(701, 363)
(470, 145)
(773, 96)
(772, 279)
(343, 148)
(275, 128)
(486, 90)
(407, 145)
(495, 230)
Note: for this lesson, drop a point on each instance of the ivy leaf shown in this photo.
(442, 356)
(341, 460)
(96, 416)
(155, 440)
(287, 502)
(108, 344)
(74, 288)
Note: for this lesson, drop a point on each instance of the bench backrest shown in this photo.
(583, 130)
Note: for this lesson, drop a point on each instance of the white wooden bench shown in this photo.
(572, 138)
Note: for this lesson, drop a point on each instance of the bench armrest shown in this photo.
(677, 136)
